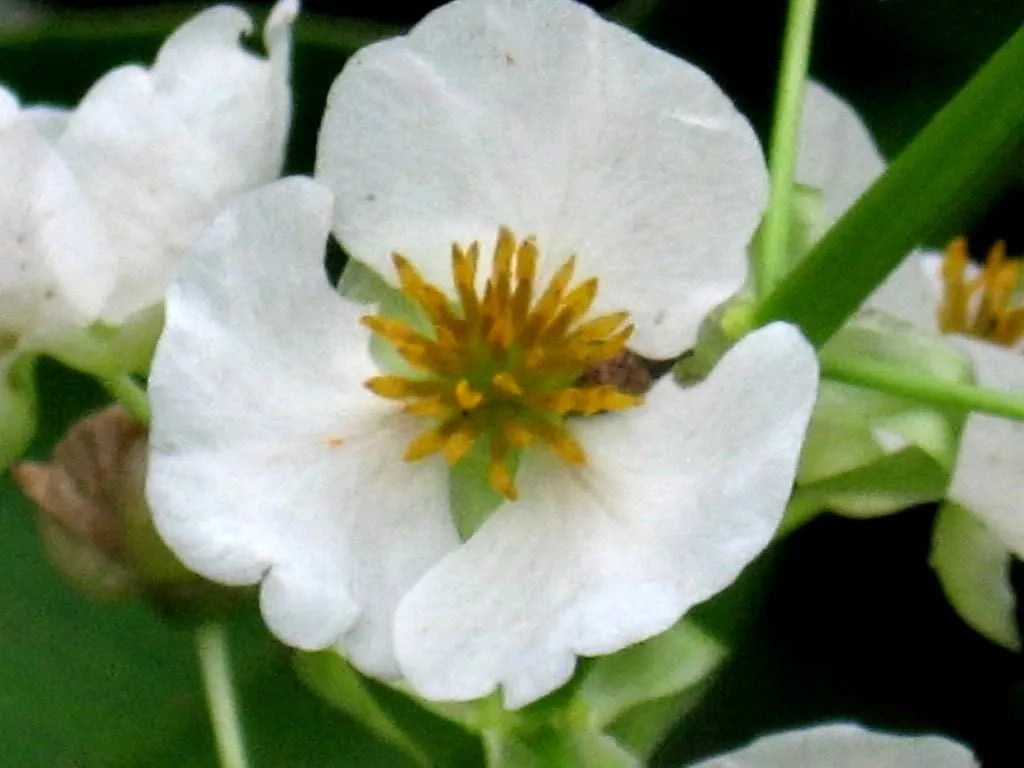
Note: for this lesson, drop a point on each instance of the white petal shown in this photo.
(836, 153)
(845, 746)
(55, 266)
(988, 479)
(160, 151)
(269, 459)
(543, 117)
(676, 498)
(913, 291)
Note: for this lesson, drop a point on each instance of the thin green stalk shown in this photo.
(129, 393)
(773, 260)
(947, 394)
(212, 648)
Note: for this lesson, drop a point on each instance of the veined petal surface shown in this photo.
(677, 496)
(158, 151)
(270, 461)
(540, 116)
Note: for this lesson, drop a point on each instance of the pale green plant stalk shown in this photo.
(922, 387)
(129, 393)
(212, 648)
(772, 262)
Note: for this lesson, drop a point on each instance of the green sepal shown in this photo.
(871, 453)
(662, 666)
(550, 747)
(973, 566)
(19, 412)
(105, 350)
(411, 725)
(639, 692)
(471, 496)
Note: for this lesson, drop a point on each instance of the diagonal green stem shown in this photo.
(773, 259)
(919, 386)
(957, 156)
(212, 648)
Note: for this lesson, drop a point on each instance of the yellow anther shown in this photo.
(986, 306)
(501, 480)
(522, 354)
(400, 388)
(431, 441)
(459, 444)
(467, 397)
(505, 384)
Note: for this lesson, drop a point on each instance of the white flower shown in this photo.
(845, 746)
(278, 443)
(99, 203)
(980, 312)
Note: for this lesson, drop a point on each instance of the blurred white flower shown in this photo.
(99, 203)
(843, 745)
(283, 453)
(979, 310)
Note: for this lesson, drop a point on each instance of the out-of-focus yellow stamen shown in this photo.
(986, 305)
(501, 363)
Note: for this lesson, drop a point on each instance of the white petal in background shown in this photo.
(677, 497)
(270, 461)
(845, 746)
(158, 152)
(837, 153)
(838, 156)
(545, 118)
(988, 476)
(56, 268)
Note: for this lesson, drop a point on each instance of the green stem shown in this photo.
(947, 394)
(129, 393)
(955, 159)
(212, 648)
(796, 48)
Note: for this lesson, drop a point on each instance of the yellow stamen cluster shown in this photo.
(986, 305)
(501, 366)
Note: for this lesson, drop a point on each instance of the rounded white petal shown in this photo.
(541, 116)
(836, 152)
(988, 479)
(269, 459)
(160, 151)
(845, 746)
(677, 496)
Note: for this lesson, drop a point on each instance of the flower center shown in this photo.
(503, 366)
(986, 305)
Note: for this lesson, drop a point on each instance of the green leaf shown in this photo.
(958, 156)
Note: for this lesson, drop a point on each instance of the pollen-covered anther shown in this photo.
(501, 363)
(987, 305)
